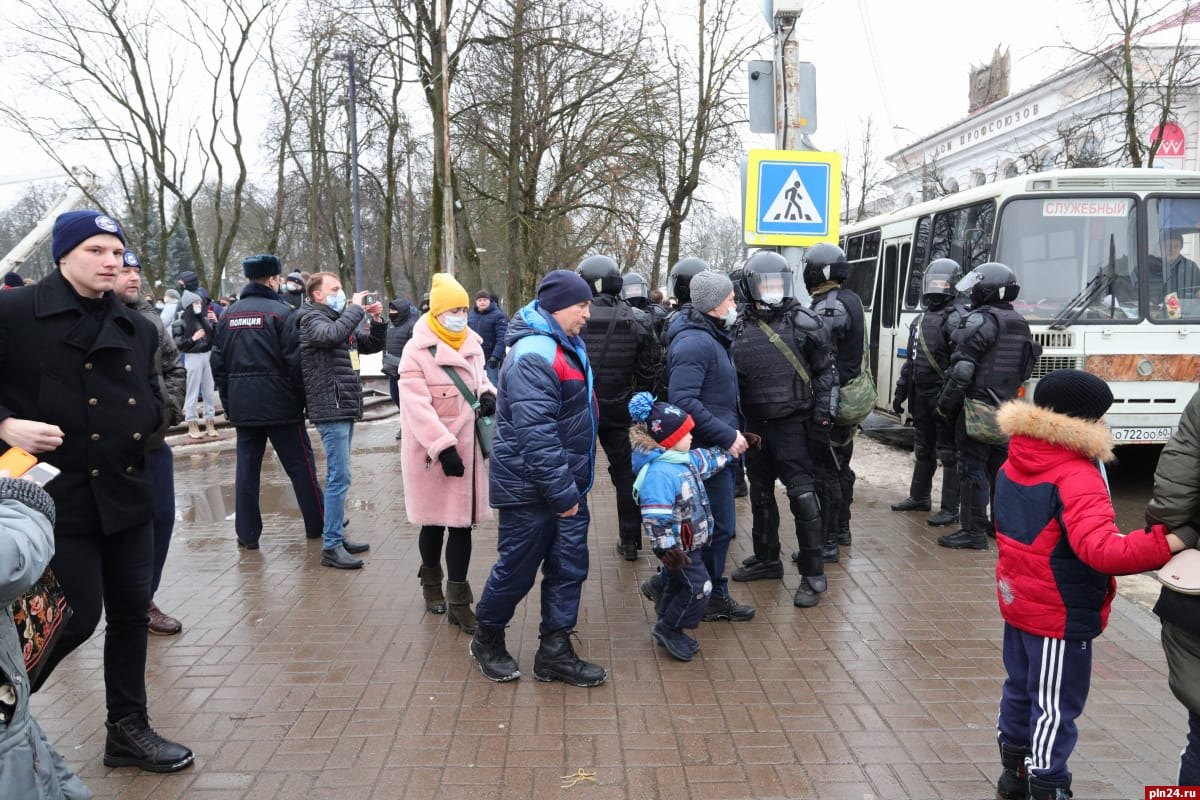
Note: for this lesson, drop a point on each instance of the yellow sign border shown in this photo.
(750, 212)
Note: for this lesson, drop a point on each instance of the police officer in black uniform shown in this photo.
(930, 346)
(256, 367)
(625, 357)
(825, 269)
(994, 354)
(636, 292)
(680, 279)
(788, 386)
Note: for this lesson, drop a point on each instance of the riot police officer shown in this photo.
(636, 292)
(929, 349)
(825, 270)
(625, 357)
(994, 354)
(788, 388)
(680, 278)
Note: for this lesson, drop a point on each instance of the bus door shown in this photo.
(886, 334)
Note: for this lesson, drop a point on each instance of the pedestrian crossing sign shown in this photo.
(792, 197)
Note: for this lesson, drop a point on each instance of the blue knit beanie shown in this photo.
(73, 227)
(562, 288)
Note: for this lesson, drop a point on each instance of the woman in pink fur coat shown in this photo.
(445, 476)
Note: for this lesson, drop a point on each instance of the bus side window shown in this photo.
(920, 260)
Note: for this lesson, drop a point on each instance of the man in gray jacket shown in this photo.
(330, 345)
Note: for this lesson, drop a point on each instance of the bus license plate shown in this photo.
(1141, 434)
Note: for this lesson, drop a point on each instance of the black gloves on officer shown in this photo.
(898, 405)
(487, 404)
(452, 463)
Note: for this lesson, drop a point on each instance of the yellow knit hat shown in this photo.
(446, 294)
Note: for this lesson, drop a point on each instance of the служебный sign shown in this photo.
(792, 197)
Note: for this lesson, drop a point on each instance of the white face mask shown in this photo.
(730, 317)
(454, 324)
(293, 287)
(196, 307)
(772, 298)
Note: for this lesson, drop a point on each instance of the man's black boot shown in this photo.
(627, 549)
(1014, 781)
(488, 648)
(964, 540)
(132, 742)
(806, 596)
(338, 558)
(844, 537)
(765, 568)
(943, 516)
(912, 504)
(722, 606)
(556, 661)
(354, 547)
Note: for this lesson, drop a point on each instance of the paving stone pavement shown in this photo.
(295, 681)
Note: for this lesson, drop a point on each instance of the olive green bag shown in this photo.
(980, 422)
(857, 398)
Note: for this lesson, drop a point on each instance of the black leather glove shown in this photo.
(452, 463)
(898, 405)
(493, 363)
(818, 433)
(673, 559)
(487, 404)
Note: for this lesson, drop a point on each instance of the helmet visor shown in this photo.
(770, 288)
(634, 290)
(969, 281)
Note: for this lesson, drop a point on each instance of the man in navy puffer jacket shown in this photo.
(543, 460)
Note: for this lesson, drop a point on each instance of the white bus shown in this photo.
(1105, 259)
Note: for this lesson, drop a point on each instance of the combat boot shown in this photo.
(556, 661)
(1014, 781)
(806, 596)
(488, 648)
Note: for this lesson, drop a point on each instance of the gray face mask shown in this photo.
(455, 324)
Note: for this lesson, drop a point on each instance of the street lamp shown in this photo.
(352, 107)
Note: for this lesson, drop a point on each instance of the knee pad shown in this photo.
(806, 505)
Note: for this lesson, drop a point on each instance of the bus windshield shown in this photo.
(1072, 257)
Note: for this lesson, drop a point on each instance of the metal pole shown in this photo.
(787, 102)
(448, 238)
(354, 201)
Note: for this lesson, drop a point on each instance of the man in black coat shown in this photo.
(488, 320)
(81, 390)
(256, 366)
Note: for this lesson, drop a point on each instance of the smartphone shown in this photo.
(41, 473)
(371, 299)
(17, 462)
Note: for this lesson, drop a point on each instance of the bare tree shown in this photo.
(697, 111)
(863, 175)
(1146, 61)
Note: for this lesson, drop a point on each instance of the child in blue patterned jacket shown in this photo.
(676, 517)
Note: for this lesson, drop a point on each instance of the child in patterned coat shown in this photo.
(676, 517)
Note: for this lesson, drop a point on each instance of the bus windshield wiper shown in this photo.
(1099, 283)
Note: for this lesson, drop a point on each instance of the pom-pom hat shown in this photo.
(666, 423)
(1073, 392)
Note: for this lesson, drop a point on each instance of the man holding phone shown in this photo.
(330, 344)
(81, 391)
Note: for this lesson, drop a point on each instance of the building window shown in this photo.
(978, 178)
(1010, 169)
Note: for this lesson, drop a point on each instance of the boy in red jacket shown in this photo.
(1059, 550)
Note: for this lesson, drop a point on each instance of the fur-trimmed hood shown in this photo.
(645, 449)
(1040, 431)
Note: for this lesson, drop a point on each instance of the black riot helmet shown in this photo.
(825, 261)
(680, 280)
(941, 276)
(635, 290)
(767, 279)
(737, 278)
(602, 274)
(992, 282)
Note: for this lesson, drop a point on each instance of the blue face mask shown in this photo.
(730, 317)
(336, 301)
(455, 324)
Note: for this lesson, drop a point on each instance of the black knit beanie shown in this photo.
(1073, 392)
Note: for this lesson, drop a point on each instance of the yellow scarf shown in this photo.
(455, 340)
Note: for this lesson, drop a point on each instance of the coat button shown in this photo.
(129, 470)
(92, 401)
(95, 437)
(95, 473)
(128, 368)
(137, 437)
(87, 365)
(132, 402)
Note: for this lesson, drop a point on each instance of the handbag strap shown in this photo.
(462, 387)
(774, 339)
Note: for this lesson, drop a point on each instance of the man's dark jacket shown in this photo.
(492, 326)
(703, 379)
(256, 361)
(87, 366)
(332, 387)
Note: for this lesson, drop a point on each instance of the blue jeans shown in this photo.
(1189, 761)
(493, 375)
(336, 437)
